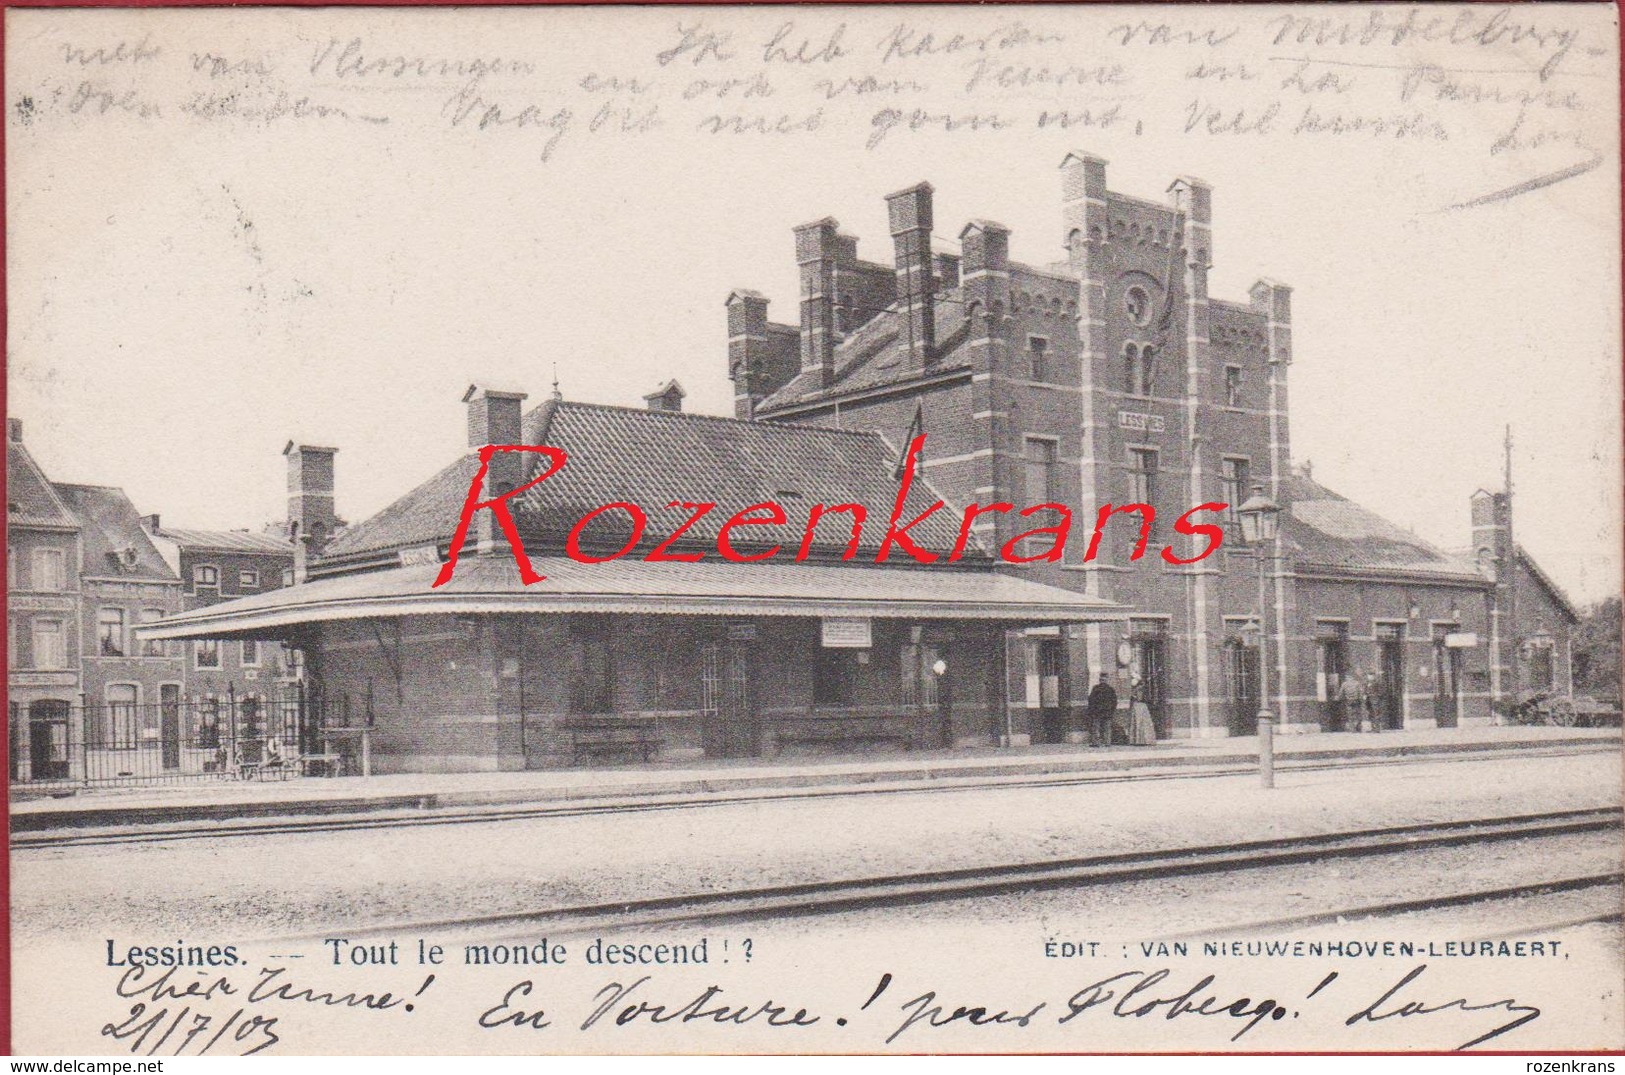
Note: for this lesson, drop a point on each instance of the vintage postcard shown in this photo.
(814, 529)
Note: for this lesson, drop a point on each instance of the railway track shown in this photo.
(830, 897)
(1348, 915)
(427, 814)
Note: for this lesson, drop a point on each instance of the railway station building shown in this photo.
(1110, 376)
(669, 659)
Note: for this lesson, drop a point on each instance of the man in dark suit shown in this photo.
(1102, 708)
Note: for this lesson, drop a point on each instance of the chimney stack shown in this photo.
(495, 418)
(985, 276)
(1491, 514)
(747, 350)
(14, 430)
(668, 397)
(311, 518)
(150, 524)
(910, 215)
(817, 255)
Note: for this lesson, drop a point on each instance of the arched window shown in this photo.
(1137, 368)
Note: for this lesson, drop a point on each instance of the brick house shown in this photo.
(88, 699)
(84, 691)
(244, 677)
(42, 615)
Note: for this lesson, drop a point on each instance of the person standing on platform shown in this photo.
(1374, 715)
(1102, 707)
(1351, 692)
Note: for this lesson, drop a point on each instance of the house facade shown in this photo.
(43, 623)
(86, 695)
(87, 698)
(244, 684)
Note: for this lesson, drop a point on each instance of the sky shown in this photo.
(236, 241)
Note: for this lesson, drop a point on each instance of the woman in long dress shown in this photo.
(1141, 731)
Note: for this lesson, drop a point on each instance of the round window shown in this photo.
(1138, 305)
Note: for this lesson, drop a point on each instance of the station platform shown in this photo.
(312, 796)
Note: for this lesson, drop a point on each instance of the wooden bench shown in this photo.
(321, 764)
(620, 735)
(266, 770)
(841, 728)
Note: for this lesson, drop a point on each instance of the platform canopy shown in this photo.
(491, 585)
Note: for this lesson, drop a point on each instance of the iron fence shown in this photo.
(176, 741)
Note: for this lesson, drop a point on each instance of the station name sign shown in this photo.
(847, 632)
(1145, 423)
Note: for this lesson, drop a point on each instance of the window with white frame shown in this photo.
(251, 653)
(206, 653)
(50, 644)
(1232, 386)
(153, 647)
(205, 577)
(49, 570)
(1039, 456)
(248, 580)
(110, 632)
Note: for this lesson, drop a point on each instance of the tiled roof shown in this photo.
(227, 540)
(1553, 589)
(491, 584)
(29, 496)
(653, 458)
(876, 354)
(423, 516)
(1327, 530)
(110, 530)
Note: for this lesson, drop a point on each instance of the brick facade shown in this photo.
(1112, 377)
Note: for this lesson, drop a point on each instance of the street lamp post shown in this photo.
(1260, 521)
